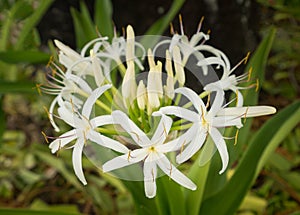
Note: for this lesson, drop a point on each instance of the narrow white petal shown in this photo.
(62, 140)
(179, 142)
(162, 129)
(179, 112)
(221, 146)
(217, 103)
(80, 82)
(77, 160)
(211, 61)
(107, 142)
(179, 70)
(150, 171)
(168, 168)
(225, 121)
(89, 103)
(97, 71)
(125, 160)
(67, 50)
(193, 147)
(101, 120)
(68, 116)
(245, 112)
(130, 127)
(193, 97)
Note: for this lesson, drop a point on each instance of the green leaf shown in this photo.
(2, 118)
(83, 25)
(103, 17)
(174, 196)
(16, 87)
(160, 25)
(31, 57)
(32, 21)
(8, 211)
(267, 139)
(258, 64)
(198, 174)
(7, 24)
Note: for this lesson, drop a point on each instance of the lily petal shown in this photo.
(77, 160)
(89, 103)
(63, 140)
(107, 142)
(179, 112)
(162, 130)
(193, 97)
(130, 127)
(221, 146)
(193, 147)
(246, 112)
(125, 160)
(169, 169)
(150, 172)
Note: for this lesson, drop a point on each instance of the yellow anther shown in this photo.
(202, 117)
(50, 61)
(172, 29)
(249, 74)
(209, 31)
(181, 24)
(246, 58)
(85, 138)
(45, 137)
(208, 101)
(128, 155)
(257, 85)
(200, 24)
(237, 96)
(236, 137)
(48, 114)
(182, 146)
(72, 104)
(38, 88)
(245, 115)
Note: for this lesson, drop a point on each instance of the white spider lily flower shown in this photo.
(129, 85)
(84, 130)
(206, 122)
(228, 80)
(154, 86)
(65, 87)
(179, 68)
(141, 95)
(152, 153)
(169, 88)
(68, 57)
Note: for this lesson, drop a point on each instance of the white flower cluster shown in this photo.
(98, 94)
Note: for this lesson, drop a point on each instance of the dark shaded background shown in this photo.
(234, 24)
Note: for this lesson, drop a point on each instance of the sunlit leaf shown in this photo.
(260, 147)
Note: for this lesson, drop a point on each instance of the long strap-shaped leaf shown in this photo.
(267, 139)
